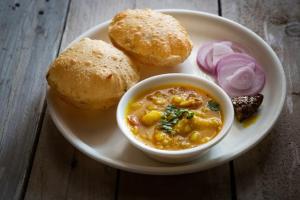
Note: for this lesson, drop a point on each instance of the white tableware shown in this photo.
(98, 136)
(178, 156)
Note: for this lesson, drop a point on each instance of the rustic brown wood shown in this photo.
(272, 169)
(200, 5)
(211, 184)
(30, 34)
(59, 171)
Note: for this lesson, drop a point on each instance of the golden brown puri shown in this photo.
(150, 37)
(92, 74)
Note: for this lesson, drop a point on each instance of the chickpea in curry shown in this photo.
(174, 117)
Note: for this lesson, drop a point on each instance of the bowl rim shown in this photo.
(152, 150)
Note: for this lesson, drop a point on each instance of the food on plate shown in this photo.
(174, 117)
(238, 74)
(92, 74)
(246, 106)
(235, 71)
(210, 53)
(151, 37)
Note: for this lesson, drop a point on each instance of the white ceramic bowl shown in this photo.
(176, 156)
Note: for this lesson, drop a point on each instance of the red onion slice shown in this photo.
(239, 74)
(201, 56)
(234, 60)
(219, 51)
(210, 54)
(242, 78)
(236, 72)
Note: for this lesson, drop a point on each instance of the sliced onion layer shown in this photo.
(239, 75)
(201, 56)
(244, 76)
(236, 72)
(210, 53)
(235, 60)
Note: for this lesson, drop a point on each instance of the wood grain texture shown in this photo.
(200, 5)
(211, 184)
(29, 39)
(59, 171)
(272, 169)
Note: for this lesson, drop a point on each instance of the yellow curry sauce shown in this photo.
(174, 117)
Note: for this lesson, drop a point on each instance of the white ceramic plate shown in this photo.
(98, 136)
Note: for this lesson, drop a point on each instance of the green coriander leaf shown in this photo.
(190, 115)
(171, 117)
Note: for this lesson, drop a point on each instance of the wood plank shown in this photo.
(272, 169)
(59, 171)
(29, 37)
(211, 184)
(200, 5)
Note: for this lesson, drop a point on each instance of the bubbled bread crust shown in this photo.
(150, 37)
(92, 74)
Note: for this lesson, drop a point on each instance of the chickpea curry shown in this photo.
(174, 117)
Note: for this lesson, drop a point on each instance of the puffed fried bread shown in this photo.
(150, 37)
(92, 74)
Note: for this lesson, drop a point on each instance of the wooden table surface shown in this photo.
(36, 162)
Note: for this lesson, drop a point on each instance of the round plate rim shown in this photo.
(179, 169)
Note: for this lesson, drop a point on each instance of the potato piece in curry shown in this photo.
(174, 117)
